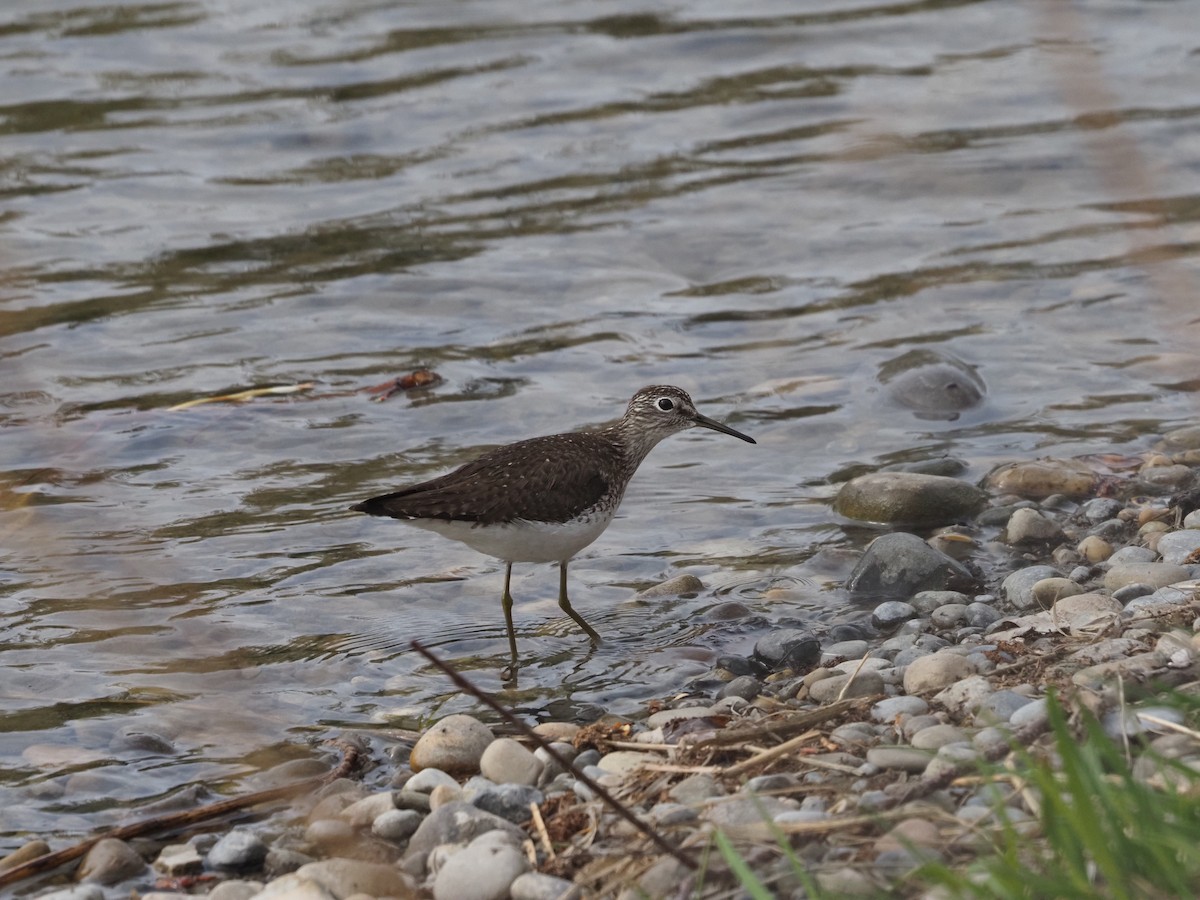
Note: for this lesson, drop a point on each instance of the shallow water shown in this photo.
(549, 207)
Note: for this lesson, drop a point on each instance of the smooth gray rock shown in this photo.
(509, 801)
(109, 861)
(1018, 586)
(746, 811)
(998, 708)
(745, 686)
(457, 822)
(888, 710)
(1049, 591)
(346, 877)
(397, 825)
(792, 648)
(937, 736)
(865, 684)
(890, 614)
(238, 850)
(1031, 526)
(906, 759)
(507, 761)
(1156, 574)
(1177, 546)
(536, 886)
(949, 615)
(908, 498)
(484, 870)
(936, 671)
(426, 780)
(980, 615)
(898, 565)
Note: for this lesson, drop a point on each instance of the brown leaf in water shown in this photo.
(419, 378)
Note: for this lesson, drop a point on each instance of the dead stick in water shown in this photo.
(617, 806)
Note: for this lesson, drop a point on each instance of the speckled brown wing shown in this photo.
(544, 479)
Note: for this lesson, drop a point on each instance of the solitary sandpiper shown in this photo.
(546, 498)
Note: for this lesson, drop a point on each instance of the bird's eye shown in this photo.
(666, 404)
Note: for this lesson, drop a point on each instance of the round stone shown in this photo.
(891, 614)
(396, 825)
(110, 861)
(237, 850)
(791, 648)
(1049, 590)
(455, 745)
(506, 761)
(484, 870)
(934, 672)
(1018, 587)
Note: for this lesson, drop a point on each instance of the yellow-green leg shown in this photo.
(506, 601)
(565, 604)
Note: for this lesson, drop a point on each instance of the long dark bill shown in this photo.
(724, 429)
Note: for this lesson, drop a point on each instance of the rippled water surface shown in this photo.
(549, 205)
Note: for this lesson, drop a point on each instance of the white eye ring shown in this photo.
(664, 404)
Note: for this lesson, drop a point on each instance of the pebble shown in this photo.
(110, 861)
(426, 780)
(855, 649)
(791, 648)
(1155, 574)
(536, 886)
(509, 801)
(747, 687)
(1048, 591)
(1177, 547)
(179, 859)
(396, 825)
(1041, 478)
(965, 696)
(1095, 549)
(1027, 526)
(455, 745)
(237, 850)
(891, 613)
(935, 671)
(506, 761)
(458, 822)
(1018, 587)
(363, 812)
(342, 878)
(906, 759)
(901, 564)
(484, 870)
(865, 684)
(999, 707)
(893, 707)
(934, 737)
(980, 615)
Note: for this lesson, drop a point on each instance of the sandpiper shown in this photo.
(546, 498)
